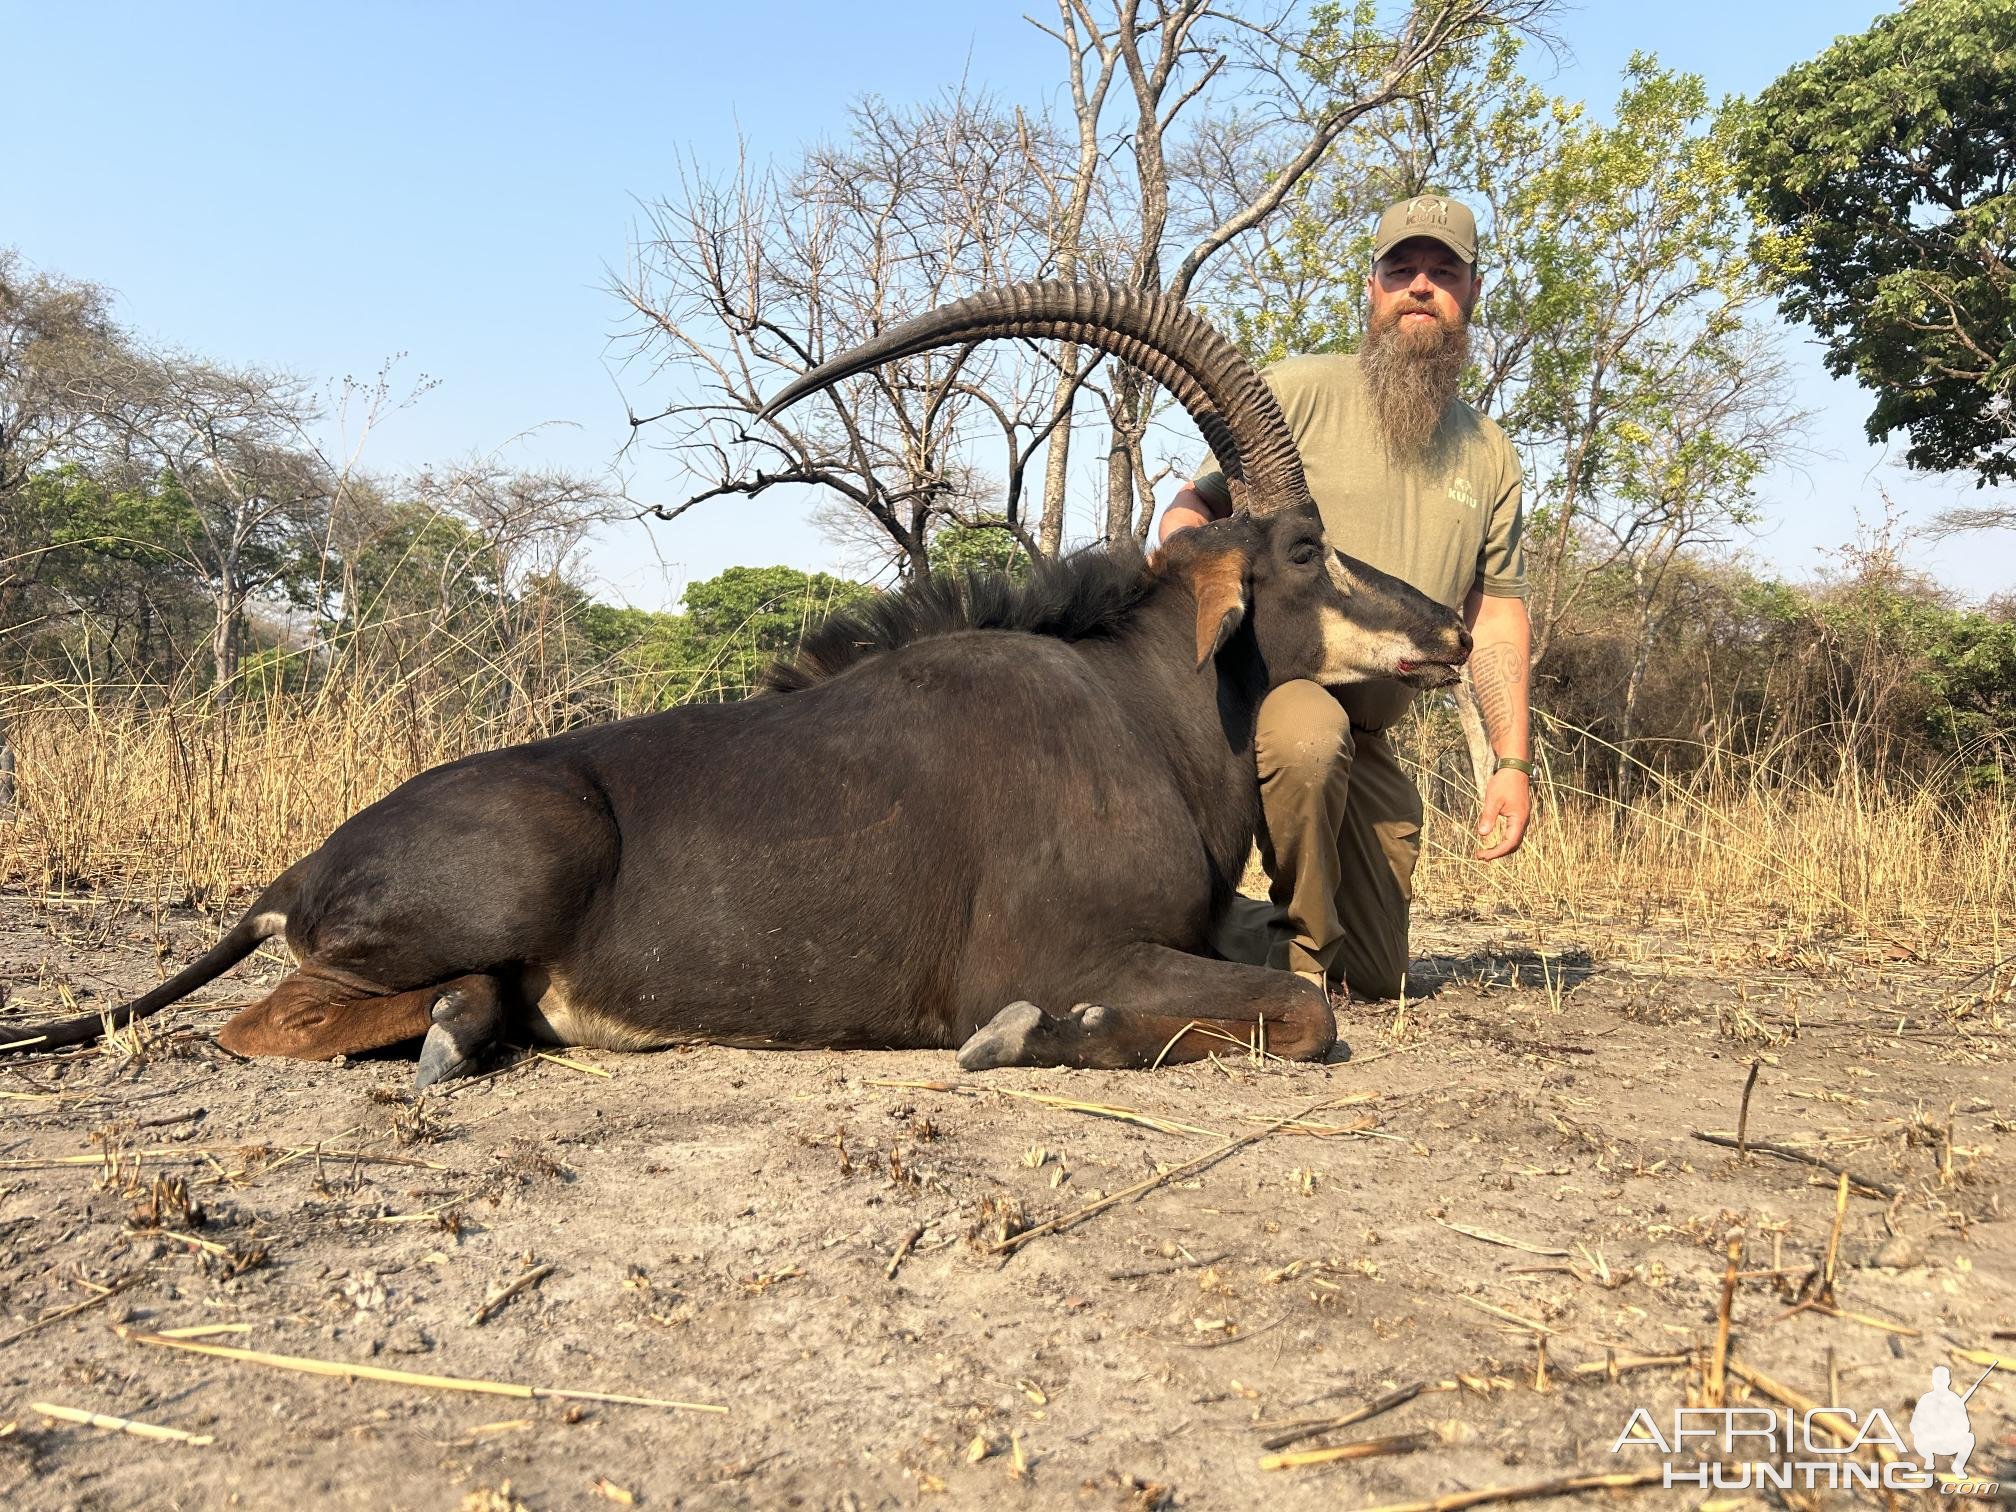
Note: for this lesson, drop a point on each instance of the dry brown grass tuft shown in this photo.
(1748, 842)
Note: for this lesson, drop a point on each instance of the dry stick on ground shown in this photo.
(497, 1299)
(573, 1065)
(1743, 1110)
(1051, 1100)
(909, 1242)
(1193, 1263)
(1399, 1443)
(1189, 1167)
(197, 1154)
(1563, 1486)
(1500, 1239)
(1311, 1428)
(1720, 1359)
(1836, 1426)
(119, 1424)
(1612, 1366)
(1864, 1319)
(76, 1307)
(1500, 1312)
(1834, 1241)
(1786, 1152)
(346, 1371)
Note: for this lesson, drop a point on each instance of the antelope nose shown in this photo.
(1463, 645)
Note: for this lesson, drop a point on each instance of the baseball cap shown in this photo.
(1429, 215)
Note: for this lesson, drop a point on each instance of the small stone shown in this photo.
(1899, 1254)
(408, 1338)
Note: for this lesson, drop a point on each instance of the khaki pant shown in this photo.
(1342, 834)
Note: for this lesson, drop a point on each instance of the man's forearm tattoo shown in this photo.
(1498, 673)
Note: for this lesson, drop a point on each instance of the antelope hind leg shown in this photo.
(313, 1017)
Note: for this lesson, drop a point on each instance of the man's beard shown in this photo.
(1412, 370)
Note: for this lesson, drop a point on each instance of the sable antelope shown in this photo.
(974, 814)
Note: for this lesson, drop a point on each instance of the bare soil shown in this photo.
(796, 1240)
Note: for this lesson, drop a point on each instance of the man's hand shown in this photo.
(1186, 511)
(1508, 800)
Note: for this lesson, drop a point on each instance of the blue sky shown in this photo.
(319, 189)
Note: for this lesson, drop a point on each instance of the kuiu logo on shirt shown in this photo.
(1461, 491)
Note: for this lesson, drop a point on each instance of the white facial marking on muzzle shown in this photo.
(1350, 652)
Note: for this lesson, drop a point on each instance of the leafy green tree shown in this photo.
(99, 575)
(959, 547)
(736, 622)
(1884, 172)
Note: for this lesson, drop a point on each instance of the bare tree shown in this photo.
(740, 286)
(59, 349)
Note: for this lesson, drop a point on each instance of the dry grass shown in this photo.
(1922, 869)
(191, 801)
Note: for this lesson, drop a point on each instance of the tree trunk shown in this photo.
(1119, 490)
(1641, 655)
(1126, 404)
(224, 642)
(1057, 454)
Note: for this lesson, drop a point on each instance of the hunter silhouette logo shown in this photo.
(1939, 1422)
(1834, 1448)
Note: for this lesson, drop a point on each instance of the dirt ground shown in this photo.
(1503, 1186)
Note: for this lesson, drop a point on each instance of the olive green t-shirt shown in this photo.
(1447, 524)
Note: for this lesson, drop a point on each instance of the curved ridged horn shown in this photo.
(1208, 375)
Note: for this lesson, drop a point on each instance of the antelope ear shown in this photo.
(1218, 583)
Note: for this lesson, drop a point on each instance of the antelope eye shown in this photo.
(1304, 552)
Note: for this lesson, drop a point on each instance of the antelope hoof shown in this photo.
(454, 1042)
(1007, 1039)
(440, 1059)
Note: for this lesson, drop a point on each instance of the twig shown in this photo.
(909, 1242)
(1193, 1263)
(1051, 1100)
(1841, 1429)
(120, 1425)
(1509, 1317)
(1563, 1486)
(348, 1372)
(1743, 1111)
(496, 1300)
(197, 1154)
(76, 1307)
(1399, 1443)
(1296, 1432)
(1189, 1167)
(1615, 1365)
(1225, 1341)
(1834, 1241)
(1490, 1238)
(1787, 1152)
(1720, 1358)
(573, 1065)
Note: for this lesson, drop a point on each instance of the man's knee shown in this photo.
(1372, 968)
(1303, 736)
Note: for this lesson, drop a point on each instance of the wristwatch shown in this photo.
(1514, 764)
